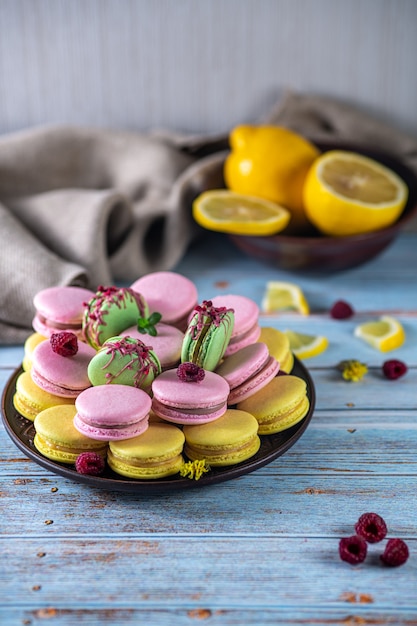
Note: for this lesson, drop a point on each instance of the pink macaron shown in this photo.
(191, 400)
(166, 344)
(64, 376)
(248, 370)
(112, 412)
(60, 308)
(246, 329)
(170, 294)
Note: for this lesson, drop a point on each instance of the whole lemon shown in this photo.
(270, 162)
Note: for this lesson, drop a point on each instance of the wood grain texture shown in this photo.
(258, 550)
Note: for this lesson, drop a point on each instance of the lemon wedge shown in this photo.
(384, 334)
(346, 193)
(306, 346)
(229, 212)
(280, 296)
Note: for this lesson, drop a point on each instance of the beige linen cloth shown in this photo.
(83, 206)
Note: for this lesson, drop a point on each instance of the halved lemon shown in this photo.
(229, 212)
(346, 193)
(306, 346)
(281, 296)
(384, 334)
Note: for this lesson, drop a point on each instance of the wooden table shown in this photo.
(259, 549)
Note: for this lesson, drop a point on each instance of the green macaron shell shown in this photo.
(124, 361)
(206, 347)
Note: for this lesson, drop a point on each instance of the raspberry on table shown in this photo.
(90, 463)
(396, 553)
(371, 527)
(394, 369)
(353, 549)
(64, 343)
(341, 310)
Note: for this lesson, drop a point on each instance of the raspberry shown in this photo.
(64, 344)
(90, 463)
(371, 527)
(341, 310)
(353, 549)
(190, 373)
(394, 369)
(395, 553)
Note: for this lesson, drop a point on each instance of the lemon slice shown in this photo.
(281, 295)
(384, 334)
(346, 193)
(306, 346)
(228, 212)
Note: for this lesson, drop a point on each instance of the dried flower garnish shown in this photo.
(147, 325)
(341, 310)
(352, 370)
(64, 343)
(190, 372)
(394, 369)
(194, 469)
(207, 314)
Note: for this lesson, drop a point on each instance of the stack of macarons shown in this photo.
(148, 376)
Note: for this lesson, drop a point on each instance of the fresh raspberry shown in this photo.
(190, 373)
(371, 527)
(353, 549)
(395, 553)
(394, 369)
(65, 343)
(341, 310)
(90, 463)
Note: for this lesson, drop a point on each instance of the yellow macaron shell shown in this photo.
(30, 344)
(279, 347)
(29, 399)
(230, 439)
(278, 406)
(58, 439)
(157, 453)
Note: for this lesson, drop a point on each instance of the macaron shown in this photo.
(112, 412)
(29, 346)
(60, 308)
(155, 454)
(124, 361)
(207, 336)
(278, 406)
(29, 399)
(229, 440)
(59, 375)
(110, 311)
(189, 400)
(278, 346)
(166, 344)
(172, 295)
(247, 370)
(57, 439)
(246, 329)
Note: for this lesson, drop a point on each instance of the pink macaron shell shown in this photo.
(166, 345)
(246, 312)
(110, 434)
(243, 364)
(60, 375)
(60, 308)
(170, 294)
(256, 382)
(243, 340)
(178, 416)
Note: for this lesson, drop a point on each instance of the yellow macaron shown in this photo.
(280, 405)
(278, 346)
(57, 438)
(30, 344)
(156, 453)
(29, 399)
(230, 439)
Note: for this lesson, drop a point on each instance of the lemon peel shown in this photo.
(306, 346)
(281, 296)
(383, 334)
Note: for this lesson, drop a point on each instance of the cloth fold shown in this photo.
(87, 206)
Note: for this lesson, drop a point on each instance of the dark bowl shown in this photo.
(316, 252)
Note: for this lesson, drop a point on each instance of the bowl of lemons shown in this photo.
(301, 205)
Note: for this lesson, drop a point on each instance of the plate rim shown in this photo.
(121, 484)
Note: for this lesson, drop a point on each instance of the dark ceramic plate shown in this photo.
(312, 252)
(21, 431)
